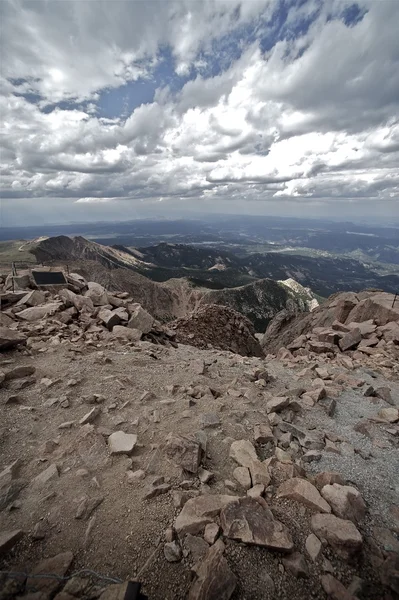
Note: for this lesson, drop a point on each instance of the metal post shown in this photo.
(394, 300)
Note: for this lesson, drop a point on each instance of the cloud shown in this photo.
(254, 103)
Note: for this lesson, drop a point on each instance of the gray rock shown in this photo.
(211, 533)
(126, 333)
(120, 442)
(350, 340)
(172, 552)
(56, 565)
(296, 564)
(242, 475)
(45, 476)
(140, 319)
(209, 420)
(198, 512)
(243, 452)
(342, 535)
(197, 546)
(90, 416)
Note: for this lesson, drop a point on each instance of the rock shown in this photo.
(384, 393)
(242, 475)
(96, 293)
(334, 588)
(39, 312)
(184, 452)
(18, 372)
(109, 318)
(209, 420)
(341, 534)
(327, 478)
(33, 298)
(350, 340)
(243, 452)
(321, 347)
(204, 475)
(211, 533)
(172, 552)
(198, 512)
(259, 473)
(389, 414)
(277, 404)
(247, 521)
(120, 442)
(126, 333)
(256, 491)
(215, 580)
(39, 531)
(135, 476)
(263, 433)
(345, 501)
(296, 564)
(157, 490)
(45, 476)
(140, 319)
(313, 546)
(8, 539)
(56, 565)
(10, 338)
(304, 492)
(197, 546)
(386, 539)
(87, 506)
(90, 416)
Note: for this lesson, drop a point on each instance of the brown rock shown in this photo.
(247, 521)
(242, 475)
(304, 492)
(259, 473)
(334, 588)
(263, 433)
(215, 580)
(184, 452)
(198, 512)
(345, 501)
(211, 533)
(389, 414)
(321, 347)
(313, 546)
(327, 478)
(350, 340)
(342, 535)
(296, 564)
(10, 338)
(197, 546)
(243, 452)
(277, 404)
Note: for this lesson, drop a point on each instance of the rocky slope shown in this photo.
(202, 474)
(118, 268)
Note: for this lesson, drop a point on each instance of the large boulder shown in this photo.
(140, 319)
(97, 293)
(341, 534)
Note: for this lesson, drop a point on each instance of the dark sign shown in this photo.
(49, 278)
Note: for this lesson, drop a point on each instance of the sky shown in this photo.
(130, 109)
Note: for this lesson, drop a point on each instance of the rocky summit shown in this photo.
(191, 455)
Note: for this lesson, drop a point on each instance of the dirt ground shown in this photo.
(126, 529)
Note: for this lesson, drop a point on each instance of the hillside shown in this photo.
(217, 269)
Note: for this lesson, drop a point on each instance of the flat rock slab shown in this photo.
(8, 539)
(56, 565)
(245, 520)
(45, 476)
(215, 580)
(341, 534)
(304, 492)
(198, 512)
(120, 442)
